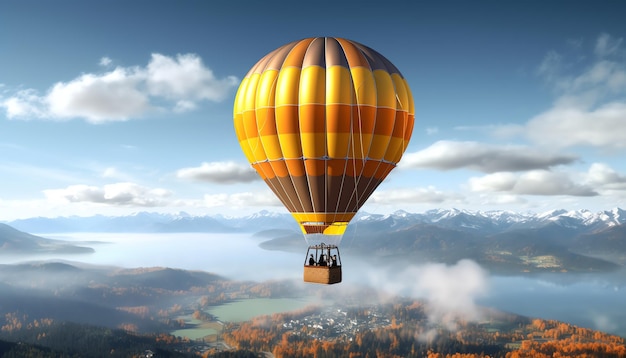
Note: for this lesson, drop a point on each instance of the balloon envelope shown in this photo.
(323, 121)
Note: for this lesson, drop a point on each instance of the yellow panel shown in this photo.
(364, 85)
(386, 94)
(360, 145)
(287, 86)
(409, 94)
(395, 146)
(271, 145)
(337, 228)
(401, 93)
(379, 146)
(239, 97)
(256, 147)
(313, 144)
(338, 144)
(249, 94)
(266, 89)
(312, 85)
(247, 151)
(290, 145)
(338, 85)
(239, 129)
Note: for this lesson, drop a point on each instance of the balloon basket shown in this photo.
(322, 265)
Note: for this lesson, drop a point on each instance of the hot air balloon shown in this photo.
(323, 121)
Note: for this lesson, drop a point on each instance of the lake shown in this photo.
(596, 301)
(244, 310)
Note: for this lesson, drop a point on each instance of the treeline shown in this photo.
(79, 340)
(410, 335)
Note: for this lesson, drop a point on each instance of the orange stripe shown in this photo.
(385, 120)
(312, 118)
(295, 167)
(315, 167)
(287, 120)
(338, 118)
(266, 121)
(364, 119)
(264, 169)
(249, 124)
(297, 52)
(370, 168)
(280, 168)
(336, 167)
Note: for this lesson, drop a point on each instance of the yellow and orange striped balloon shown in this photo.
(323, 121)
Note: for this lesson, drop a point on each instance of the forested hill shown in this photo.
(58, 309)
(78, 340)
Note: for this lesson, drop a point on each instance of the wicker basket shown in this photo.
(322, 274)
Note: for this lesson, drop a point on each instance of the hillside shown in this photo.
(68, 309)
(15, 242)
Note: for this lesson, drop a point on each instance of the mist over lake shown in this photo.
(596, 301)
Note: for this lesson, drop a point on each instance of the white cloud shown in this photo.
(220, 172)
(447, 155)
(536, 182)
(450, 291)
(105, 61)
(432, 130)
(607, 45)
(591, 106)
(242, 200)
(118, 194)
(185, 78)
(24, 103)
(174, 83)
(113, 96)
(566, 126)
(605, 178)
(411, 196)
(114, 173)
(550, 67)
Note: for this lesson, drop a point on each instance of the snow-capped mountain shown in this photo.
(476, 222)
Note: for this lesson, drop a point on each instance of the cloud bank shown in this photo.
(118, 194)
(449, 155)
(166, 83)
(219, 173)
(450, 291)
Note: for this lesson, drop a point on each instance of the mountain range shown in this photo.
(477, 222)
(504, 241)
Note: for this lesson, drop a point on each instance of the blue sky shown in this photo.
(114, 107)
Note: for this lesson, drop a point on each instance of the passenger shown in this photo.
(333, 261)
(311, 261)
(322, 261)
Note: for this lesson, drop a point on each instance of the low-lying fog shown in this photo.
(593, 300)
